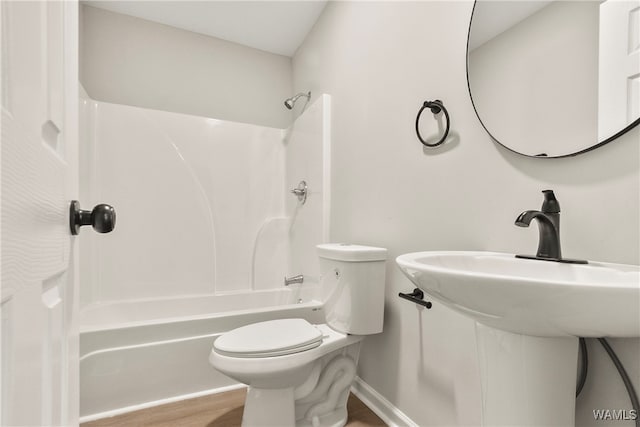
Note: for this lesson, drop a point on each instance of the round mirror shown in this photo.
(555, 78)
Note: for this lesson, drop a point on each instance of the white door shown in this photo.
(39, 161)
(619, 66)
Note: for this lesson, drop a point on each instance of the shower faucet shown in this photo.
(549, 227)
(293, 279)
(290, 102)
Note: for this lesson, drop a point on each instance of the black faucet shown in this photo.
(549, 226)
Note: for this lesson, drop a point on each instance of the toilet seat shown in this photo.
(269, 339)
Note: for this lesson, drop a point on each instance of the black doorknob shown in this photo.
(102, 218)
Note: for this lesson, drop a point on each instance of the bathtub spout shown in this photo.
(293, 279)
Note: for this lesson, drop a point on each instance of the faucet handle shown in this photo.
(301, 192)
(550, 204)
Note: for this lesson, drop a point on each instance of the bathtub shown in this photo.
(144, 353)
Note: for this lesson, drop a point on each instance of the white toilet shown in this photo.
(300, 374)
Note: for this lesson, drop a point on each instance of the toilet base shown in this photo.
(269, 407)
(275, 407)
(337, 418)
(321, 401)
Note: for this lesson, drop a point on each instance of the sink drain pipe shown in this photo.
(584, 366)
(584, 363)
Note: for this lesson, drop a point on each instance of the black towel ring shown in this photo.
(435, 107)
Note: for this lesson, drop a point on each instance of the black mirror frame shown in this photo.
(593, 147)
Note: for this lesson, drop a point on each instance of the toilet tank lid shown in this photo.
(351, 252)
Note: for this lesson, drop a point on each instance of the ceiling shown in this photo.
(491, 18)
(274, 26)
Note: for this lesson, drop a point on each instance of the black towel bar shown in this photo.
(436, 107)
(416, 296)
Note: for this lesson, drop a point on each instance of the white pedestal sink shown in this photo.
(529, 316)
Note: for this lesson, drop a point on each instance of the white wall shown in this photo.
(127, 60)
(380, 61)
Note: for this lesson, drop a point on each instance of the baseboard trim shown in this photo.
(391, 415)
(120, 411)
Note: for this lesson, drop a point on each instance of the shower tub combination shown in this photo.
(162, 358)
(157, 293)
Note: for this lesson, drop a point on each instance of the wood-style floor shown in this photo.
(217, 410)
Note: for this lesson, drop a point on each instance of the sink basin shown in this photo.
(528, 315)
(531, 297)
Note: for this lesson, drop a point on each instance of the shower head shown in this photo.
(289, 102)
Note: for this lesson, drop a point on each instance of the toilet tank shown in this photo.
(352, 279)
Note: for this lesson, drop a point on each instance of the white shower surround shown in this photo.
(206, 230)
(200, 202)
(191, 194)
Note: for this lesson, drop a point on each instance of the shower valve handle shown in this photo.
(301, 192)
(102, 218)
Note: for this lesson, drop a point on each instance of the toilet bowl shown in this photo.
(300, 374)
(275, 382)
